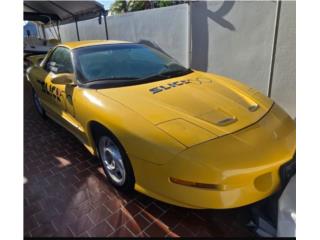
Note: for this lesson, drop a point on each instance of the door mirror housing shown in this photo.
(64, 79)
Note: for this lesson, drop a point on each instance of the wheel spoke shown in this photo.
(119, 164)
(112, 160)
(122, 172)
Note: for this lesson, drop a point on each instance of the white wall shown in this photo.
(68, 32)
(166, 27)
(234, 39)
(91, 29)
(284, 77)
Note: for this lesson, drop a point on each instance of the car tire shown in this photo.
(37, 104)
(115, 161)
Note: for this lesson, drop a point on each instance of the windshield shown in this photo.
(124, 63)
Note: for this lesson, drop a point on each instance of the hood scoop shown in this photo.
(226, 121)
(218, 117)
(253, 107)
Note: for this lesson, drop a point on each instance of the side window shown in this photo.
(60, 61)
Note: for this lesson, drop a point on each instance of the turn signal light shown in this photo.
(197, 185)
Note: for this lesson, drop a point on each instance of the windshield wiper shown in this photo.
(156, 76)
(166, 74)
(115, 78)
(177, 72)
(111, 81)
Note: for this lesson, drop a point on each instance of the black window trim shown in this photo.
(47, 58)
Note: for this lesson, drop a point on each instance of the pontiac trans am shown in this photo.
(185, 137)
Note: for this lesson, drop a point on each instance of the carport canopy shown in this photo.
(62, 11)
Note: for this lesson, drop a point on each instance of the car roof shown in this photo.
(78, 44)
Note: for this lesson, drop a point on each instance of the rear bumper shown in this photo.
(245, 165)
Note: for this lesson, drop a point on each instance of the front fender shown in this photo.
(139, 137)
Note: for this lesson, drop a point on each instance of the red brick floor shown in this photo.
(66, 194)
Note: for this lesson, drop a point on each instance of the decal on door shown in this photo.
(51, 90)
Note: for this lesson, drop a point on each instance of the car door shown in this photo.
(60, 97)
(53, 97)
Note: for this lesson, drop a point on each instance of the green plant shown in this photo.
(136, 5)
(164, 3)
(119, 6)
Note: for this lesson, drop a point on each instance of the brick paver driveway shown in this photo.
(66, 194)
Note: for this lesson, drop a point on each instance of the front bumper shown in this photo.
(245, 165)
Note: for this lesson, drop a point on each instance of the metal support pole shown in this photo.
(44, 32)
(105, 25)
(274, 47)
(58, 30)
(189, 34)
(75, 19)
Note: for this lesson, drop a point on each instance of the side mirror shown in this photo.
(63, 79)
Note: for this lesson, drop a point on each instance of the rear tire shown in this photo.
(114, 160)
(37, 104)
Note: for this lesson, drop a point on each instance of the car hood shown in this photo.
(196, 107)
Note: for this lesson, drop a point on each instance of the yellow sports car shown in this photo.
(185, 137)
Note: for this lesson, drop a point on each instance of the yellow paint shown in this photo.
(212, 131)
(78, 44)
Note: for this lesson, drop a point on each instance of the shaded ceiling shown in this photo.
(64, 11)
